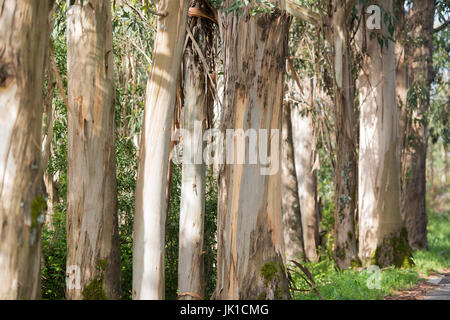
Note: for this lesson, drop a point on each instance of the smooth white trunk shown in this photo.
(304, 155)
(292, 224)
(150, 210)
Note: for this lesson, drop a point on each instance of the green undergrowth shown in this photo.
(353, 284)
(437, 258)
(374, 284)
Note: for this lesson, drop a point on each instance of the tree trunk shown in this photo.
(51, 197)
(415, 144)
(304, 155)
(445, 157)
(150, 211)
(23, 41)
(382, 238)
(345, 180)
(431, 170)
(93, 256)
(250, 258)
(401, 72)
(292, 224)
(192, 208)
(50, 112)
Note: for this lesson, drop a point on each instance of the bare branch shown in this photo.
(441, 27)
(294, 74)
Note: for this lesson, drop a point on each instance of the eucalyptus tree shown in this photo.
(292, 223)
(305, 160)
(401, 73)
(250, 257)
(419, 58)
(151, 203)
(335, 29)
(302, 98)
(23, 45)
(198, 101)
(306, 168)
(345, 179)
(382, 237)
(93, 256)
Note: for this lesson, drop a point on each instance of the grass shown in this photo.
(368, 284)
(437, 258)
(352, 284)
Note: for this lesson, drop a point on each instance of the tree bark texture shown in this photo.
(197, 100)
(23, 43)
(413, 178)
(250, 241)
(93, 254)
(382, 238)
(345, 180)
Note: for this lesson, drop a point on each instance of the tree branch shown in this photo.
(441, 27)
(294, 9)
(294, 74)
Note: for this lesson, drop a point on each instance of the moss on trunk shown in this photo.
(393, 250)
(272, 275)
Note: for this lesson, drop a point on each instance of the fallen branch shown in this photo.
(311, 281)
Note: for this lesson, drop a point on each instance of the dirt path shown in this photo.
(443, 291)
(433, 287)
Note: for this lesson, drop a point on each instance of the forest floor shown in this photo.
(428, 279)
(434, 283)
(432, 287)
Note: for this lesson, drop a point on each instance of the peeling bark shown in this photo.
(345, 180)
(250, 241)
(23, 41)
(192, 209)
(92, 220)
(380, 223)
